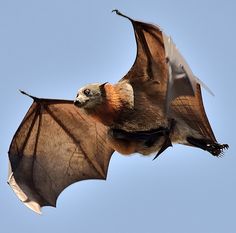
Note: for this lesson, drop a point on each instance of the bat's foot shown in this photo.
(214, 148)
(217, 149)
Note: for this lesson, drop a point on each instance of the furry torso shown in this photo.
(134, 111)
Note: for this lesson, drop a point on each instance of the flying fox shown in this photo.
(156, 104)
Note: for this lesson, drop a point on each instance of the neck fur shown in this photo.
(117, 98)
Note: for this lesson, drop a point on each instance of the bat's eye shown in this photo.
(87, 92)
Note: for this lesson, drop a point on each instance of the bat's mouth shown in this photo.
(79, 104)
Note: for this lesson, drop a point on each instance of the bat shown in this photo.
(156, 104)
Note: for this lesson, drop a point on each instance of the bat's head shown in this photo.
(90, 96)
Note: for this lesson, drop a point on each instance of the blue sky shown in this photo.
(51, 48)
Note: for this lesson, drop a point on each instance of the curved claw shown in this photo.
(24, 93)
(214, 148)
(217, 149)
(120, 14)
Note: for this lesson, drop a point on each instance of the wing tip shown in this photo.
(121, 14)
(34, 207)
(25, 93)
(202, 84)
(29, 202)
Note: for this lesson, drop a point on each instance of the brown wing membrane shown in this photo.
(150, 68)
(191, 110)
(150, 74)
(55, 146)
(148, 77)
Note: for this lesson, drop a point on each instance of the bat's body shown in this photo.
(157, 103)
(132, 127)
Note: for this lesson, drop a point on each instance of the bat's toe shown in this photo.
(217, 149)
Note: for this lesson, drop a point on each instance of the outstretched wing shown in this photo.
(55, 145)
(161, 77)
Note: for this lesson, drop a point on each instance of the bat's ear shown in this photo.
(102, 89)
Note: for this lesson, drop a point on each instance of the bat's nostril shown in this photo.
(77, 103)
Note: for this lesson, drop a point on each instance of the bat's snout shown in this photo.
(78, 103)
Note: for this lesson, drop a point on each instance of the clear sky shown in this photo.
(51, 48)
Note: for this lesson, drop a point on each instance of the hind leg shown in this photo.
(214, 148)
